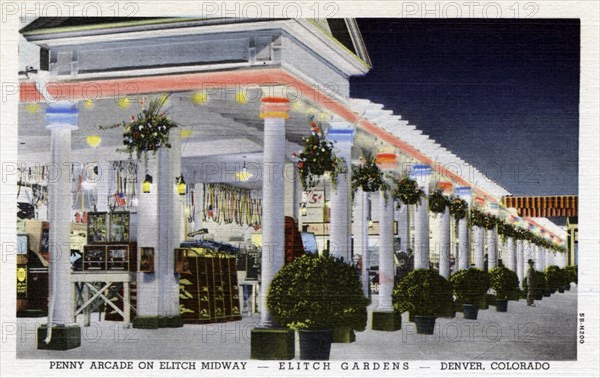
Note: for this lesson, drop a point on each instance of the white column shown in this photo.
(61, 118)
(386, 252)
(539, 258)
(361, 235)
(342, 135)
(174, 223)
(444, 219)
(148, 237)
(103, 181)
(274, 114)
(289, 203)
(463, 245)
(404, 228)
(520, 260)
(478, 247)
(560, 259)
(492, 249)
(463, 252)
(549, 257)
(511, 258)
(422, 173)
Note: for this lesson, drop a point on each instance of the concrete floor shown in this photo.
(546, 332)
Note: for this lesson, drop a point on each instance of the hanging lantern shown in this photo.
(244, 175)
(181, 187)
(303, 209)
(147, 184)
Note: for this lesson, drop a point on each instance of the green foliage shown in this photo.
(318, 293)
(572, 273)
(470, 285)
(554, 277)
(318, 158)
(481, 219)
(438, 202)
(506, 230)
(505, 282)
(423, 292)
(541, 280)
(459, 208)
(367, 175)
(408, 191)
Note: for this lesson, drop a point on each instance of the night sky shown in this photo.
(501, 94)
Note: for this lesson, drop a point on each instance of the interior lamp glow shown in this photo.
(147, 184)
(303, 209)
(93, 140)
(181, 187)
(244, 175)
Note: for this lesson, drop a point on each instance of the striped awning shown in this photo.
(544, 206)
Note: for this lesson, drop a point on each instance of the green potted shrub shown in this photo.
(563, 280)
(316, 295)
(541, 286)
(424, 293)
(506, 284)
(553, 278)
(470, 286)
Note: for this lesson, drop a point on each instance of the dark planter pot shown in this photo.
(547, 292)
(501, 305)
(539, 295)
(470, 311)
(561, 289)
(553, 290)
(568, 287)
(425, 324)
(315, 344)
(483, 303)
(343, 335)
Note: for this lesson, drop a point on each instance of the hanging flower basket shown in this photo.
(367, 176)
(408, 191)
(438, 202)
(459, 208)
(148, 131)
(318, 158)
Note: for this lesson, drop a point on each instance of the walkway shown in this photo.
(546, 332)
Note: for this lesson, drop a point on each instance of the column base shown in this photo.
(389, 321)
(171, 322)
(154, 322)
(272, 344)
(63, 337)
(146, 322)
(31, 314)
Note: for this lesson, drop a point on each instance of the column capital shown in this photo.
(274, 107)
(420, 170)
(340, 132)
(62, 115)
(464, 192)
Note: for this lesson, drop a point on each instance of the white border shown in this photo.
(589, 168)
